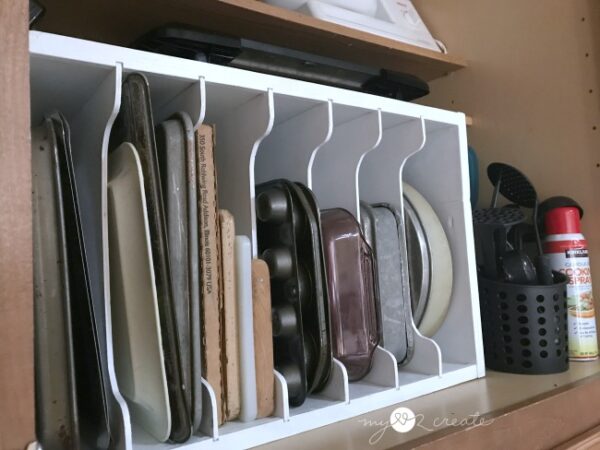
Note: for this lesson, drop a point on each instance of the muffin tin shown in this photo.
(353, 290)
(289, 240)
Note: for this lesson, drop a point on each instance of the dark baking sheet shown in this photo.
(134, 124)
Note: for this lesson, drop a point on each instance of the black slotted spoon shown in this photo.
(517, 188)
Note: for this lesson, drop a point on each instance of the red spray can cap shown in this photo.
(563, 221)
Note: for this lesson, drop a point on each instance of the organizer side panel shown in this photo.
(334, 171)
(381, 182)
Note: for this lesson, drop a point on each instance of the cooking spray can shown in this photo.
(568, 253)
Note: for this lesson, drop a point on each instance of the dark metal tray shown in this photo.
(134, 124)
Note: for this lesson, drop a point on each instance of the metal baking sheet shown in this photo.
(171, 151)
(56, 413)
(91, 396)
(134, 124)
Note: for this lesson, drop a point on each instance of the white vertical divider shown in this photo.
(337, 385)
(381, 181)
(333, 172)
(384, 369)
(333, 176)
(446, 153)
(290, 147)
(288, 152)
(427, 358)
(239, 135)
(282, 405)
(90, 132)
(191, 100)
(209, 424)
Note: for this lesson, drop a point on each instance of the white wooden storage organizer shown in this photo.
(347, 146)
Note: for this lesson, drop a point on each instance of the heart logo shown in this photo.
(402, 420)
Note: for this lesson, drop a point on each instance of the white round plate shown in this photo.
(440, 289)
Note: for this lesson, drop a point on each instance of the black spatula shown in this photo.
(517, 188)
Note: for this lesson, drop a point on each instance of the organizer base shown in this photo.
(316, 412)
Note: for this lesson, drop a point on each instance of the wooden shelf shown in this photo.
(528, 405)
(118, 22)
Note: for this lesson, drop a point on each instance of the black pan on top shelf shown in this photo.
(190, 43)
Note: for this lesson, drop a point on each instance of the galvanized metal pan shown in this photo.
(382, 227)
(171, 151)
(194, 269)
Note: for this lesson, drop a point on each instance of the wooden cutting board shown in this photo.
(229, 320)
(263, 338)
(210, 263)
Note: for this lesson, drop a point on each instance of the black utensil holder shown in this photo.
(525, 326)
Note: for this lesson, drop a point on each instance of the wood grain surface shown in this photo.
(540, 423)
(263, 338)
(16, 279)
(210, 263)
(121, 22)
(588, 440)
(229, 320)
(533, 90)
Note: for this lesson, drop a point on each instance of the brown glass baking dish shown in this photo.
(351, 275)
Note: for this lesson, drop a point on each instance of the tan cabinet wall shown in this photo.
(532, 86)
(16, 284)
